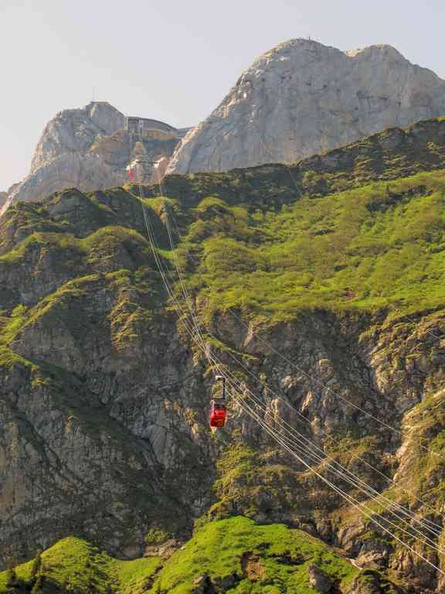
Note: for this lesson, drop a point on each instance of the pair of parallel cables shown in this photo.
(292, 441)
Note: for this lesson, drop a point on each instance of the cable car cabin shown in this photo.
(218, 413)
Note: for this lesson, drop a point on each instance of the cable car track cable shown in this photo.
(201, 344)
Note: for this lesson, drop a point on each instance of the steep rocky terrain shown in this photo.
(302, 98)
(321, 286)
(88, 148)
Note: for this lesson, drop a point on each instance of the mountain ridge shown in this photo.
(296, 100)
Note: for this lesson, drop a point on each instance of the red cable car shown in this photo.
(218, 413)
(218, 408)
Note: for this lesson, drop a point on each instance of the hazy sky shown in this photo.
(172, 60)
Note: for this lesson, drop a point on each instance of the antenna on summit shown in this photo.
(93, 95)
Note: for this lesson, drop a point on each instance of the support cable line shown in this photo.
(291, 440)
(426, 523)
(198, 339)
(437, 528)
(320, 383)
(311, 451)
(305, 447)
(363, 510)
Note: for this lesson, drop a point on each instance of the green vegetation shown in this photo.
(251, 482)
(156, 536)
(136, 576)
(423, 464)
(251, 558)
(245, 556)
(372, 248)
(115, 260)
(9, 327)
(74, 565)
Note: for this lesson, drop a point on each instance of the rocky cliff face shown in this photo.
(89, 149)
(104, 397)
(303, 98)
(74, 131)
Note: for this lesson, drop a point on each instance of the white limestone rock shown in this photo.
(303, 98)
(74, 130)
(70, 170)
(90, 149)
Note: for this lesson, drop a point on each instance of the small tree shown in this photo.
(11, 578)
(13, 583)
(157, 536)
(36, 564)
(38, 585)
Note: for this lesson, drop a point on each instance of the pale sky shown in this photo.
(172, 60)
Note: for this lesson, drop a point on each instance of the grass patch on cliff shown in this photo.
(136, 576)
(251, 558)
(248, 557)
(254, 483)
(62, 246)
(102, 249)
(370, 248)
(74, 565)
(10, 326)
(423, 465)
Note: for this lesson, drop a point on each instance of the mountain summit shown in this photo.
(303, 98)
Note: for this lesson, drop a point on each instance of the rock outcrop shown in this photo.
(74, 131)
(303, 98)
(90, 149)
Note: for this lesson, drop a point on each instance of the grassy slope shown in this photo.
(250, 557)
(73, 565)
(368, 248)
(283, 556)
